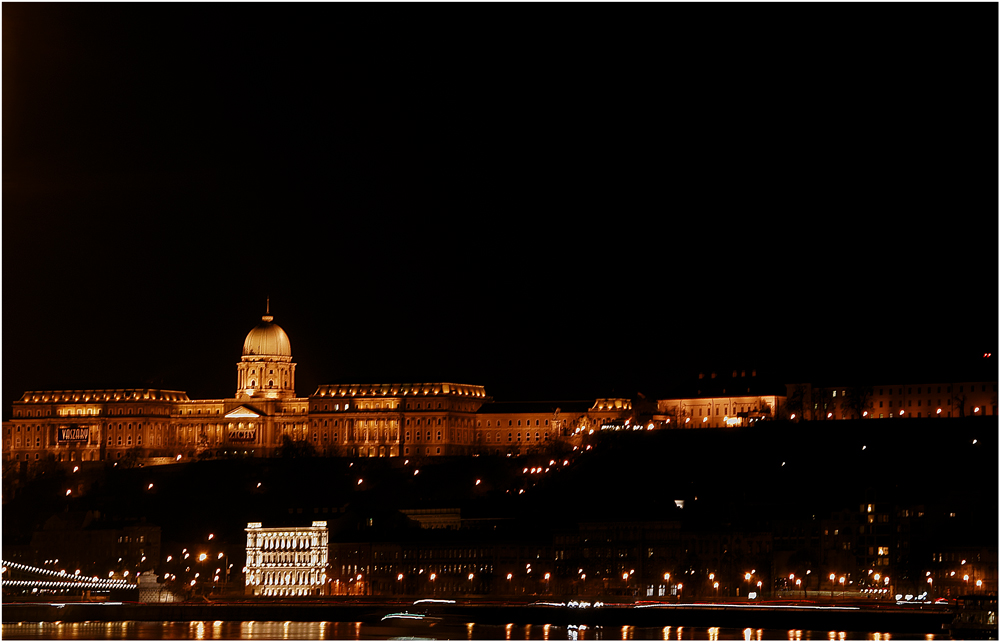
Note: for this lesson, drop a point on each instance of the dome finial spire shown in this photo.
(267, 316)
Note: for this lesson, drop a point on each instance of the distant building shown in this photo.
(80, 540)
(900, 400)
(286, 561)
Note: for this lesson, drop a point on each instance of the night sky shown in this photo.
(552, 203)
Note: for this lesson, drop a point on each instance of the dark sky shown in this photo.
(550, 203)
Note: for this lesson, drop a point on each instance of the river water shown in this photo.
(415, 631)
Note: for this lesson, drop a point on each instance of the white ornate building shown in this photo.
(284, 562)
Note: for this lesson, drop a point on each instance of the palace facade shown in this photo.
(157, 426)
(264, 415)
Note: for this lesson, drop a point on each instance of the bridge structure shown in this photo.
(17, 578)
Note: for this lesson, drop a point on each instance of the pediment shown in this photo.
(243, 412)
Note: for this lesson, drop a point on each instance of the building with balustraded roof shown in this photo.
(264, 415)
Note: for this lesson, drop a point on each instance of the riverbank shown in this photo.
(900, 619)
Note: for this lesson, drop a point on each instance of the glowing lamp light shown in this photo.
(747, 577)
(965, 577)
(178, 458)
(359, 481)
(359, 577)
(434, 576)
(939, 411)
(704, 420)
(150, 487)
(220, 556)
(76, 468)
(202, 557)
(416, 471)
(864, 414)
(793, 416)
(687, 420)
(211, 535)
(716, 585)
(509, 575)
(624, 576)
(829, 414)
(399, 577)
(478, 481)
(901, 412)
(977, 409)
(68, 492)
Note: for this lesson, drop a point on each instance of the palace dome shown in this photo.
(267, 339)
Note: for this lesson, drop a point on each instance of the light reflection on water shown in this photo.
(254, 630)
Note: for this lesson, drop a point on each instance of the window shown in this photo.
(834, 393)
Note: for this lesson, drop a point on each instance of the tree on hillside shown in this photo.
(796, 401)
(958, 405)
(859, 400)
(294, 449)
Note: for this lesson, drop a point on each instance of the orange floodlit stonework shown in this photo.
(152, 426)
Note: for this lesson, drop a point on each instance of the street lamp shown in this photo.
(833, 582)
(842, 579)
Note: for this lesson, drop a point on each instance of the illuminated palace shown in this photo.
(359, 420)
(404, 419)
